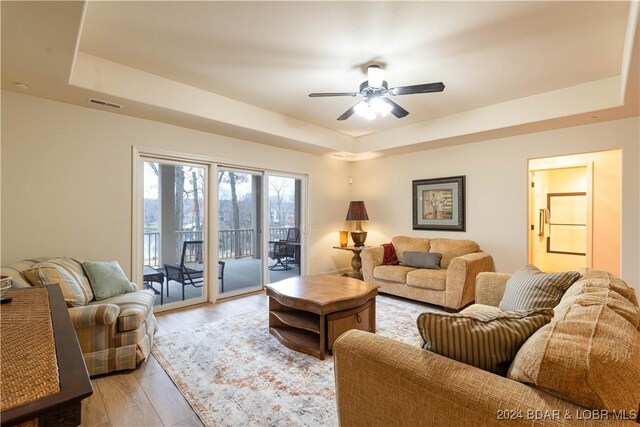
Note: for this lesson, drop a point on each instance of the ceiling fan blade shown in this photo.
(396, 110)
(423, 88)
(347, 113)
(316, 95)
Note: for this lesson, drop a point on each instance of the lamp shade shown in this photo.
(357, 211)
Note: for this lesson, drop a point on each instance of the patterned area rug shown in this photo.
(234, 373)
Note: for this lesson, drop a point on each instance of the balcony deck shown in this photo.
(238, 274)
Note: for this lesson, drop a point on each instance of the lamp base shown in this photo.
(358, 237)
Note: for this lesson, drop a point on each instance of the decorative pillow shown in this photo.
(430, 260)
(107, 279)
(530, 288)
(67, 273)
(488, 340)
(390, 257)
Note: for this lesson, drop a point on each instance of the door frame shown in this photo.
(303, 218)
(212, 164)
(530, 205)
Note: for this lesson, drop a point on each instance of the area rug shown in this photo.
(234, 373)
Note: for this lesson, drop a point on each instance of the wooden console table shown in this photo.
(356, 261)
(309, 313)
(48, 383)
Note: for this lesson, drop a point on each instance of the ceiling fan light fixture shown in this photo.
(375, 76)
(361, 108)
(380, 107)
(370, 114)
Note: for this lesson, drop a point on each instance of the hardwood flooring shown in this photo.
(146, 396)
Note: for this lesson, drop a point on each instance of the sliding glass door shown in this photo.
(285, 220)
(240, 249)
(256, 218)
(174, 225)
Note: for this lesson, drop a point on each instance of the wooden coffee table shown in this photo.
(308, 313)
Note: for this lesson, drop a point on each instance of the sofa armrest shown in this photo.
(461, 278)
(490, 288)
(382, 382)
(94, 315)
(371, 258)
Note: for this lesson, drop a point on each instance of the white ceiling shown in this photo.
(492, 56)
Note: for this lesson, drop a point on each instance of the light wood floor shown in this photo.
(146, 396)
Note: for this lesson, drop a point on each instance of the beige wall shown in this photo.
(66, 183)
(497, 174)
(66, 180)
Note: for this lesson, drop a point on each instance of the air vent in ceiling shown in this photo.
(104, 103)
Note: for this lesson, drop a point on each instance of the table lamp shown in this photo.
(357, 212)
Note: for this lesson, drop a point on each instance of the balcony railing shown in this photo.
(151, 251)
(232, 244)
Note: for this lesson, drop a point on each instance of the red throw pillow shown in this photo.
(390, 257)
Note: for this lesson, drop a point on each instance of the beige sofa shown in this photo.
(114, 333)
(589, 353)
(452, 286)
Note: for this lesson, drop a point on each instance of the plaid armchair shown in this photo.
(114, 333)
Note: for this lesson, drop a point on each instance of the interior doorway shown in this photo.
(561, 218)
(574, 212)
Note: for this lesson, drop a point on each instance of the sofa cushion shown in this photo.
(393, 273)
(452, 248)
(107, 279)
(427, 279)
(487, 340)
(414, 244)
(389, 257)
(66, 272)
(606, 279)
(429, 260)
(531, 288)
(590, 352)
(134, 308)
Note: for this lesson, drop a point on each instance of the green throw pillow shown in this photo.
(486, 340)
(530, 288)
(107, 279)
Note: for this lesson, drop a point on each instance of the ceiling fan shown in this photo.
(374, 90)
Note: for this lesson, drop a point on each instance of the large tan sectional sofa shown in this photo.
(452, 286)
(114, 333)
(582, 368)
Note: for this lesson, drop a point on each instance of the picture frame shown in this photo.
(439, 204)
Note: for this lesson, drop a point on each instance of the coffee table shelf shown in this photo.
(299, 319)
(297, 339)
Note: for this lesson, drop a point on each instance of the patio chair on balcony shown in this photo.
(293, 240)
(191, 267)
(284, 251)
(278, 252)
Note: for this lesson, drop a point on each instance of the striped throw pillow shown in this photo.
(486, 340)
(530, 288)
(67, 273)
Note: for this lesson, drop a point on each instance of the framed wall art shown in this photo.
(438, 204)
